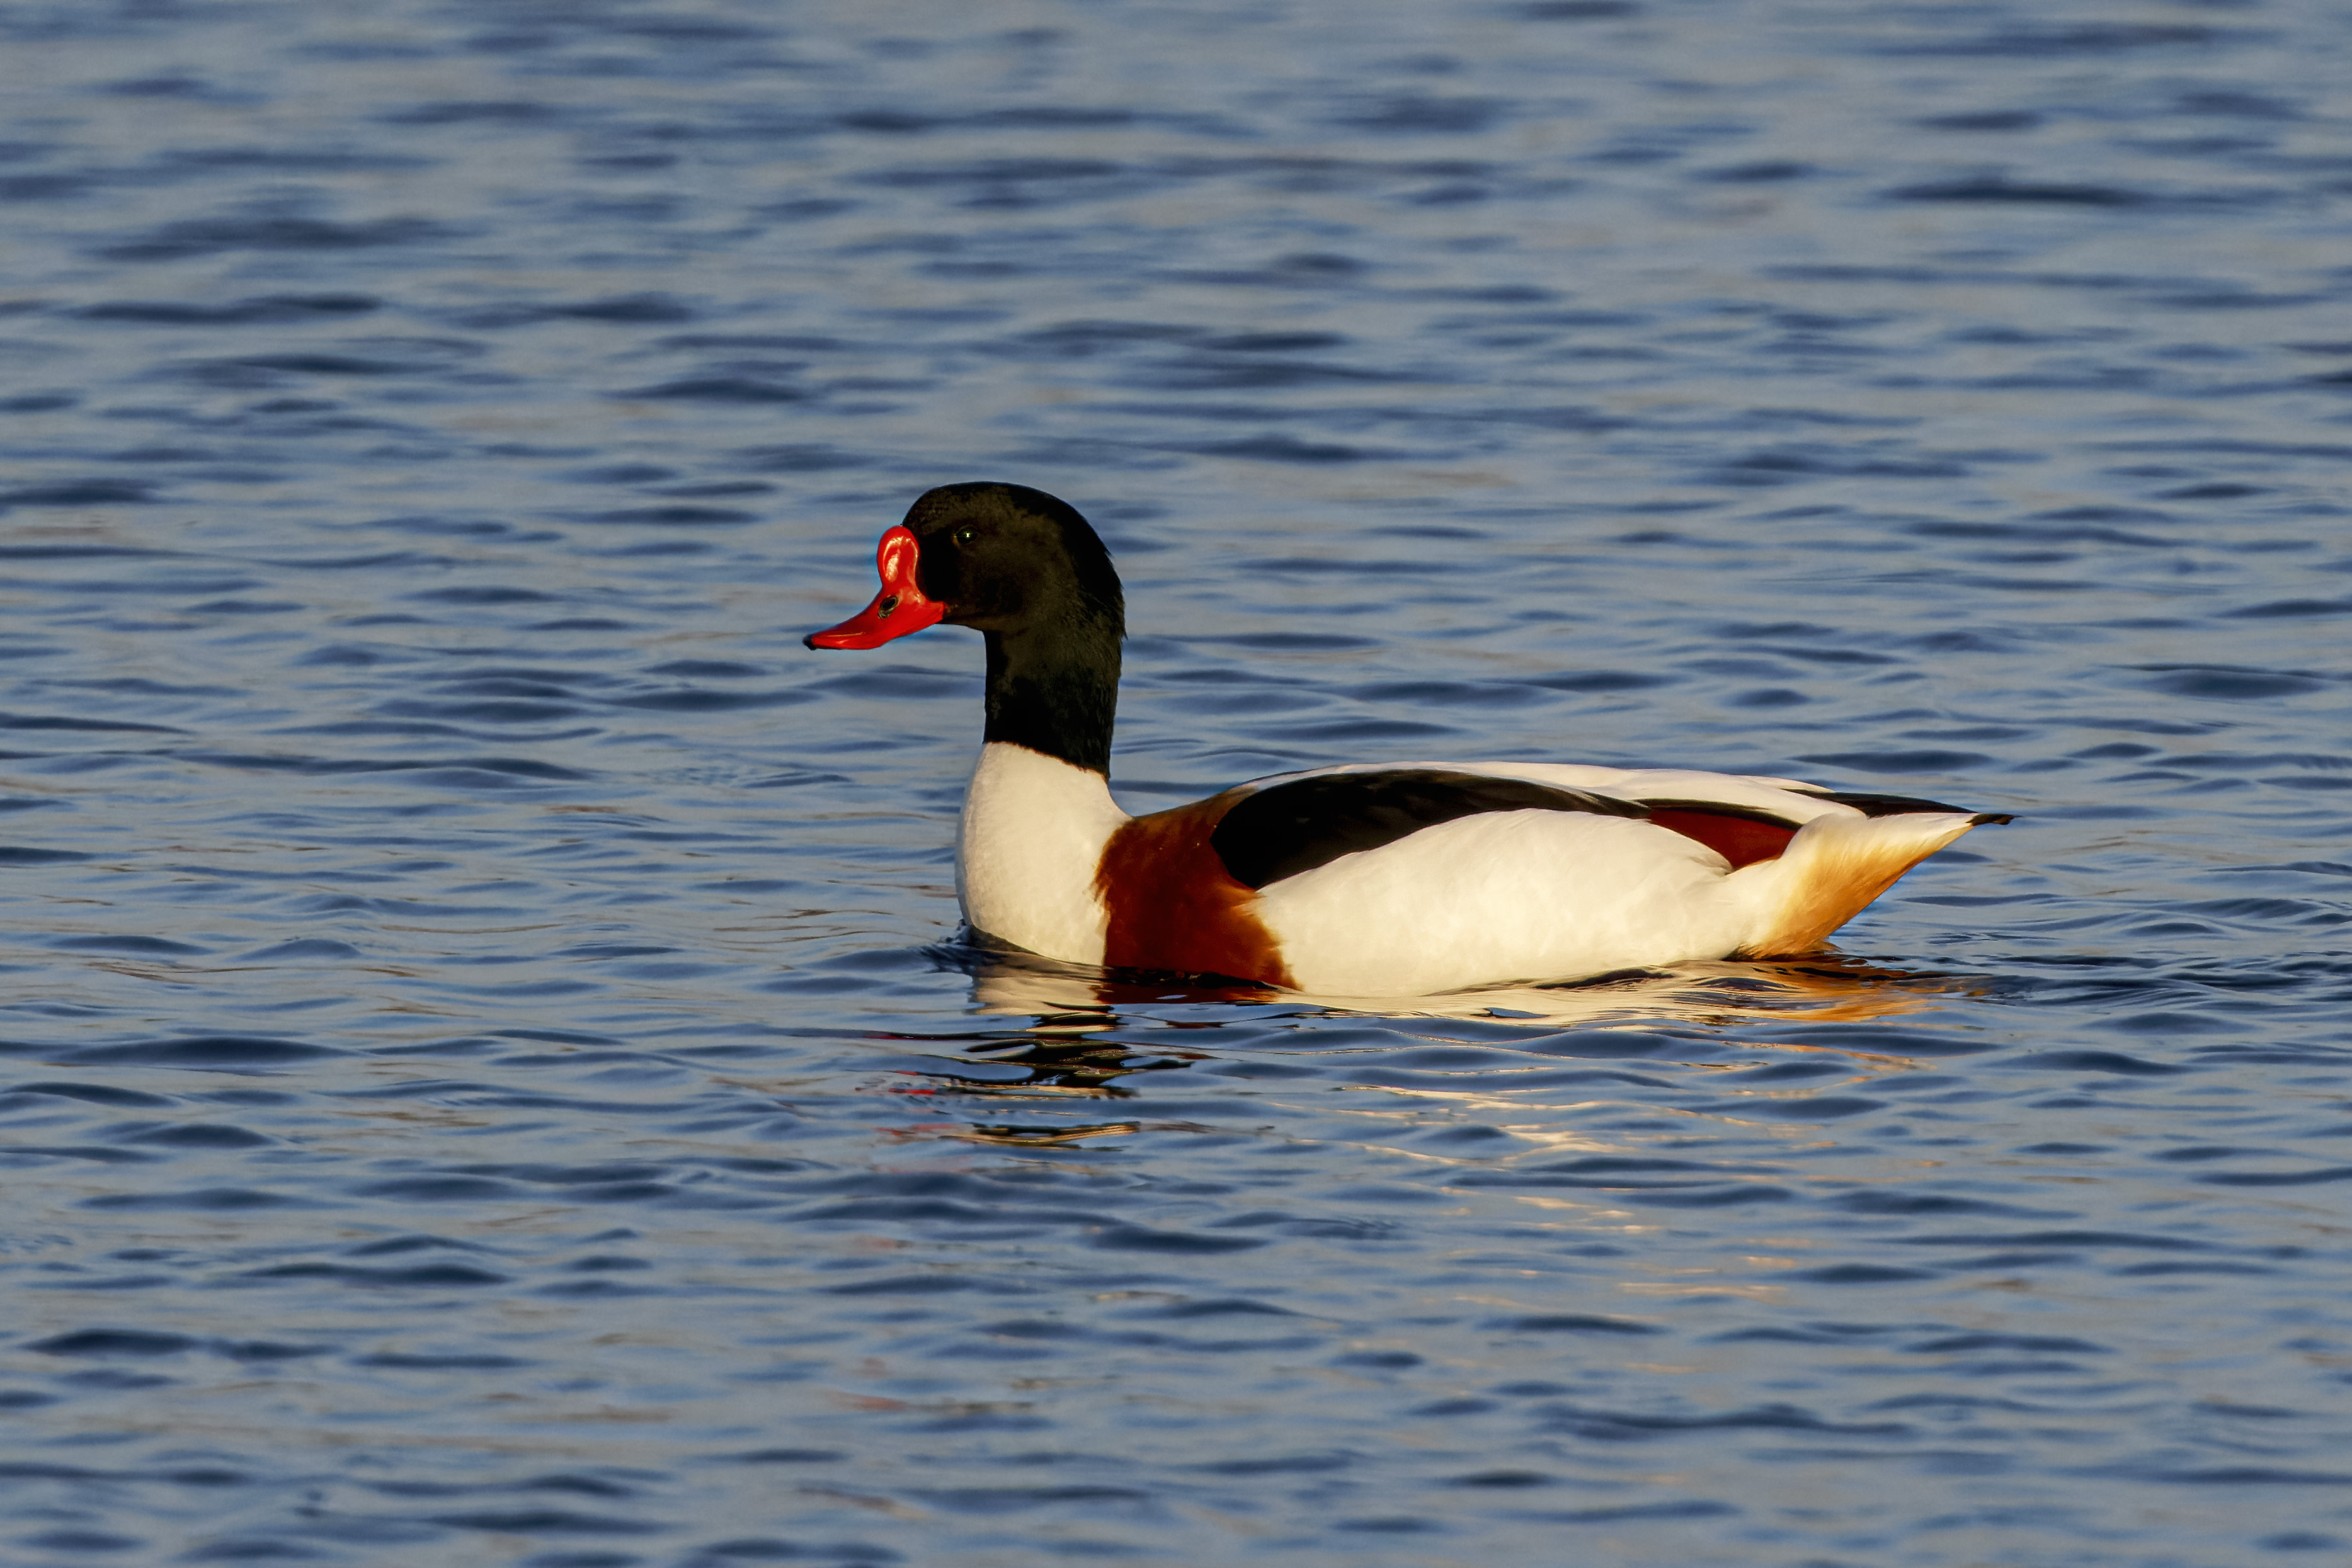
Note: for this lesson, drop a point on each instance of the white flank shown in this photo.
(1554, 895)
(1505, 895)
(1033, 835)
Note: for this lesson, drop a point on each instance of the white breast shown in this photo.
(1033, 834)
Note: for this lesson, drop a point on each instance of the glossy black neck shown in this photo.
(1054, 689)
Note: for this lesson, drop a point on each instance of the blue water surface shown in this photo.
(486, 1072)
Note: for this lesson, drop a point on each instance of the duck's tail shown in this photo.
(1834, 867)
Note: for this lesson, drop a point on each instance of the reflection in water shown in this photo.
(1825, 987)
(1058, 1067)
(1007, 1136)
(1066, 1052)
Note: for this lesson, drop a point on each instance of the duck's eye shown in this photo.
(965, 536)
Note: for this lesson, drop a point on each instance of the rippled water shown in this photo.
(489, 1075)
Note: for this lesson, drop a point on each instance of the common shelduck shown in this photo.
(1373, 879)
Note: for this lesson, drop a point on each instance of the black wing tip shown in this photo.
(1872, 804)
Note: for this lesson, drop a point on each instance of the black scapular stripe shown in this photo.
(1286, 829)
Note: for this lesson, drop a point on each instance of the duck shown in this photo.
(1361, 878)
